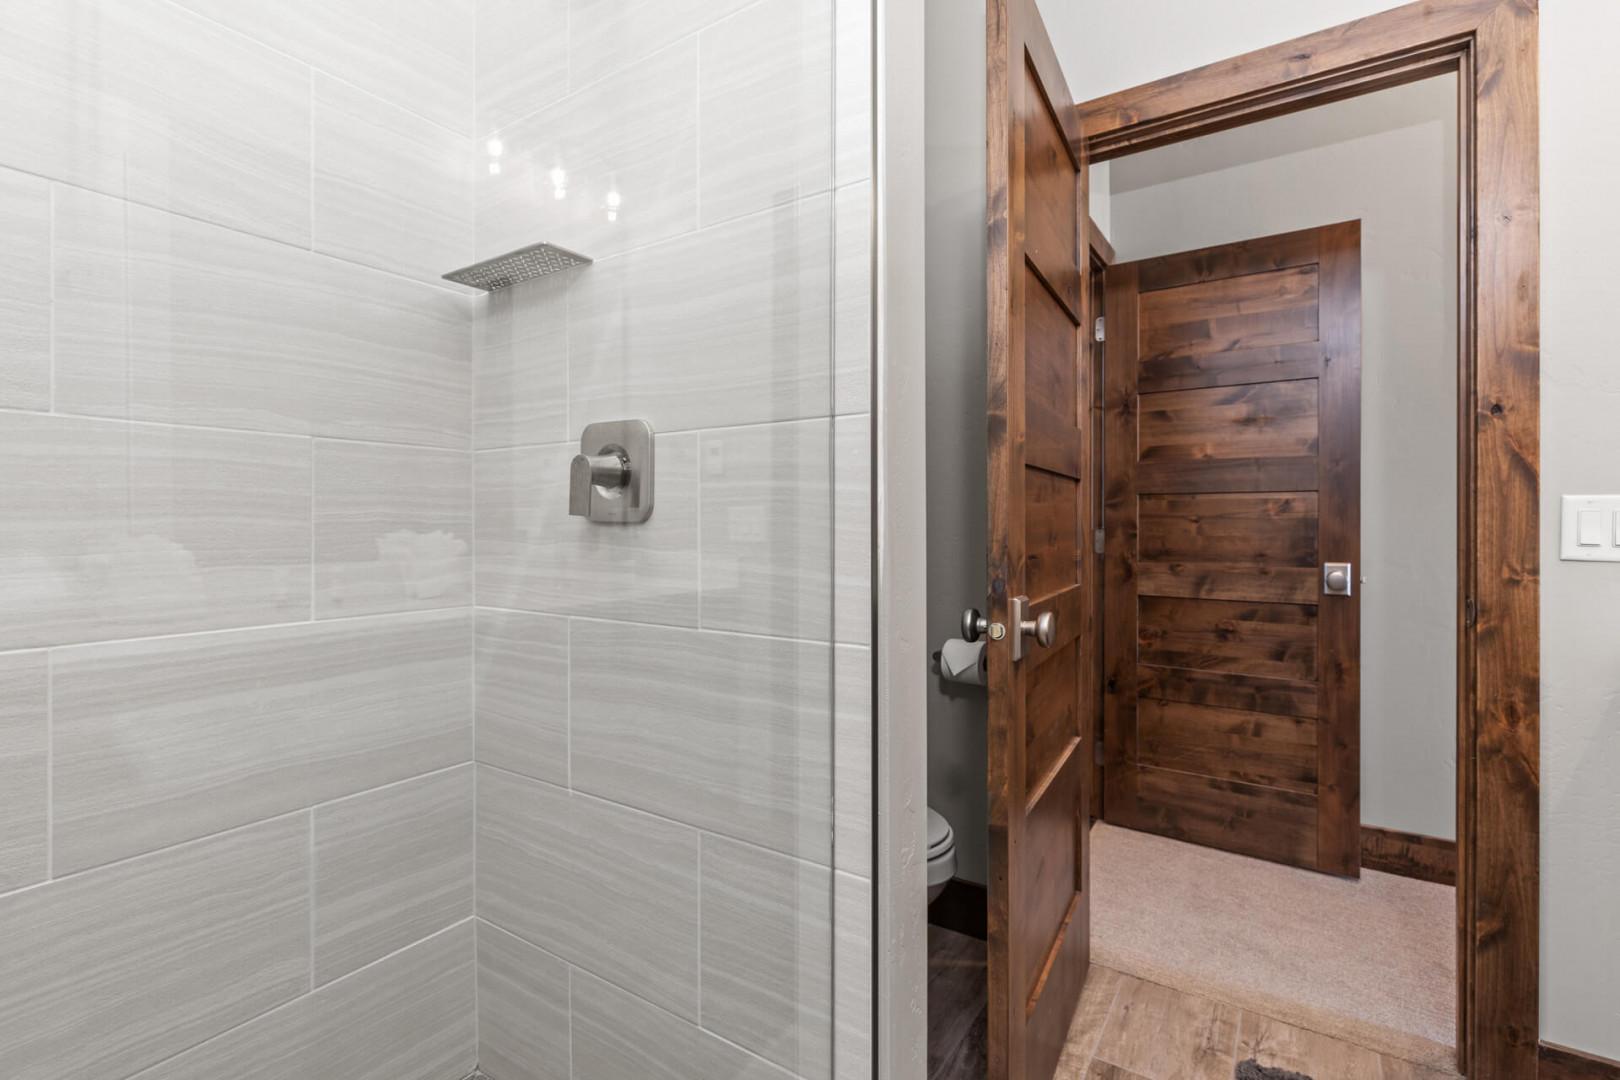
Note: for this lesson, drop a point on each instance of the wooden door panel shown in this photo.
(1263, 529)
(1228, 690)
(1232, 744)
(1054, 715)
(1052, 504)
(1276, 641)
(1052, 213)
(1251, 819)
(1234, 368)
(1042, 511)
(1223, 423)
(1232, 381)
(1050, 340)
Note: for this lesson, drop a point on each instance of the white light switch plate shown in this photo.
(1590, 528)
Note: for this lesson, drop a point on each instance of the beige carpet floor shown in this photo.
(1370, 961)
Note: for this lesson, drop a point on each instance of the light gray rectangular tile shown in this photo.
(393, 528)
(273, 1046)
(765, 107)
(521, 690)
(417, 54)
(522, 58)
(392, 866)
(125, 530)
(631, 137)
(768, 955)
(534, 556)
(162, 318)
(852, 529)
(852, 759)
(391, 189)
(523, 1010)
(520, 365)
(108, 972)
(411, 1016)
(852, 288)
(142, 99)
(601, 886)
(406, 1017)
(852, 94)
(159, 741)
(725, 732)
(731, 325)
(25, 292)
(605, 35)
(767, 529)
(24, 680)
(619, 1035)
(852, 977)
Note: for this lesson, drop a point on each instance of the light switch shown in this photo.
(1590, 528)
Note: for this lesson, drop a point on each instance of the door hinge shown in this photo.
(1097, 751)
(1099, 541)
(1468, 612)
(1099, 330)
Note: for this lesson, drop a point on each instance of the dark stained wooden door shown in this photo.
(1041, 517)
(1233, 430)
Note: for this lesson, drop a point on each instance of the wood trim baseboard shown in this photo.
(1562, 1063)
(1413, 855)
(964, 907)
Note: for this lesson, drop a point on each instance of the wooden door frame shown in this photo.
(1491, 46)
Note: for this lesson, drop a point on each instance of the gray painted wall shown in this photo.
(956, 431)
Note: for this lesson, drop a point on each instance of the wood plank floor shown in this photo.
(1129, 1029)
(957, 1038)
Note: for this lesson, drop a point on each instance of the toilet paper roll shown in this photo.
(963, 661)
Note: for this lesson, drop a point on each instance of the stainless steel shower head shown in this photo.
(515, 266)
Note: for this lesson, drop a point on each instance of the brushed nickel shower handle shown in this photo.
(610, 470)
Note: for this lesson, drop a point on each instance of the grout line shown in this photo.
(568, 704)
(156, 1067)
(249, 432)
(126, 859)
(50, 766)
(603, 800)
(772, 1067)
(312, 121)
(424, 615)
(568, 973)
(672, 432)
(312, 900)
(170, 211)
(50, 258)
(301, 62)
(314, 565)
(699, 907)
(697, 513)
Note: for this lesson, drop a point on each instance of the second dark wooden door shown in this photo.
(1233, 413)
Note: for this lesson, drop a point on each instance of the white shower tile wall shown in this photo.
(674, 734)
(320, 751)
(236, 630)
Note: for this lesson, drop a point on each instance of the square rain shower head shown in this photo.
(515, 266)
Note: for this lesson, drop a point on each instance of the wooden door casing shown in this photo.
(1040, 520)
(1232, 405)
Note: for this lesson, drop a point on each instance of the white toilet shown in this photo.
(941, 854)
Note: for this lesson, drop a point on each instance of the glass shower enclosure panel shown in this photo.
(367, 707)
(692, 840)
